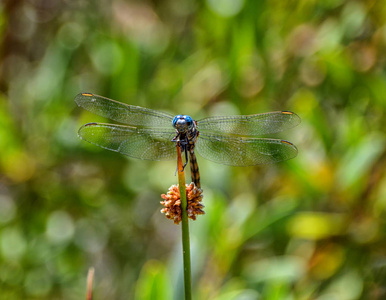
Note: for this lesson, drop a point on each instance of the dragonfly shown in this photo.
(153, 135)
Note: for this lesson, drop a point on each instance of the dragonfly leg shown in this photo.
(186, 158)
(182, 142)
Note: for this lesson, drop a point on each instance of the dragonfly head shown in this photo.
(182, 123)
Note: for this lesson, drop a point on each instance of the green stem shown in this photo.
(185, 227)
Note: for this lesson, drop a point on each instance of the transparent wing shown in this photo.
(250, 125)
(142, 143)
(123, 113)
(239, 151)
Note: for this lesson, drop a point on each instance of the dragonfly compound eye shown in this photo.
(189, 120)
(175, 119)
(182, 123)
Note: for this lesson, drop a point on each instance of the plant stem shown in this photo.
(90, 279)
(184, 226)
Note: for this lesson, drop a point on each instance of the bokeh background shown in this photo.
(310, 228)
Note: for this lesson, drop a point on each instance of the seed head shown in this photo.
(172, 203)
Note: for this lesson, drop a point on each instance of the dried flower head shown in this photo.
(172, 203)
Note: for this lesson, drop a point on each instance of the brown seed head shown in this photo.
(172, 203)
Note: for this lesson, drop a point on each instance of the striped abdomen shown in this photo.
(194, 168)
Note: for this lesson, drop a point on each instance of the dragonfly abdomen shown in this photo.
(195, 174)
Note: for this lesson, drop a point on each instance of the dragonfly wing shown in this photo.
(250, 125)
(239, 151)
(142, 143)
(123, 113)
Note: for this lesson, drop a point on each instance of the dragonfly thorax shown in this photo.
(183, 123)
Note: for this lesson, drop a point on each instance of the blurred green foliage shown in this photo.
(310, 228)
